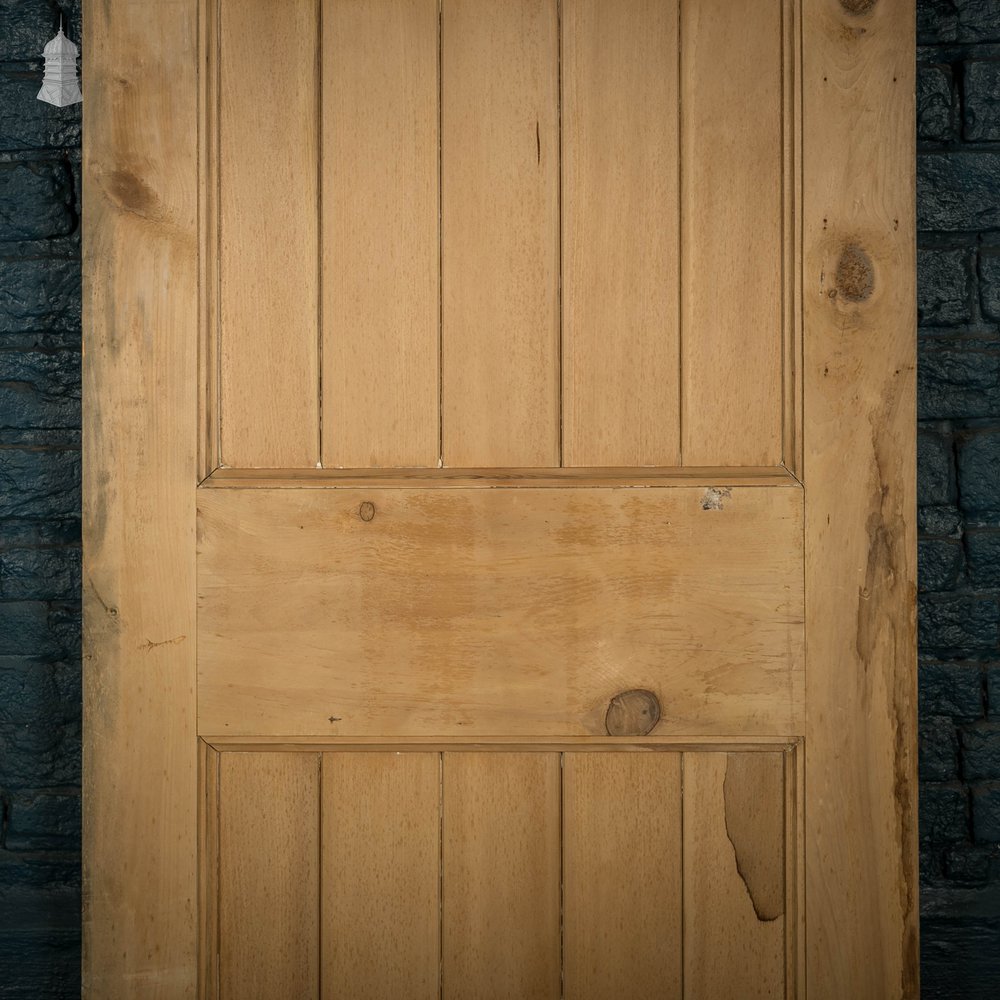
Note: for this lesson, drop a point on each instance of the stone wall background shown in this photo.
(39, 515)
(959, 496)
(958, 209)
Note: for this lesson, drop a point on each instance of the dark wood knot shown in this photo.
(632, 713)
(855, 277)
(366, 511)
(858, 7)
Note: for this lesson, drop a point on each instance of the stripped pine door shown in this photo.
(499, 499)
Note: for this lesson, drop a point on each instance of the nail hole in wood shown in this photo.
(632, 713)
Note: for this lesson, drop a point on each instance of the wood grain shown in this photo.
(734, 876)
(861, 781)
(499, 478)
(622, 876)
(268, 875)
(140, 382)
(500, 233)
(381, 876)
(500, 857)
(498, 612)
(380, 233)
(268, 233)
(732, 231)
(620, 233)
(209, 760)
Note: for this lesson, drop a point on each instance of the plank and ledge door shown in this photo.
(455, 233)
(593, 875)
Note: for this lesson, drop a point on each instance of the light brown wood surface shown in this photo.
(268, 233)
(500, 233)
(860, 747)
(140, 377)
(381, 819)
(268, 875)
(498, 612)
(405, 668)
(500, 858)
(716, 477)
(620, 233)
(732, 230)
(734, 876)
(380, 233)
(622, 876)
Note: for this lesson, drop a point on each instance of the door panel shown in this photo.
(734, 876)
(622, 875)
(268, 234)
(608, 872)
(500, 233)
(500, 856)
(476, 258)
(413, 612)
(379, 328)
(620, 249)
(268, 880)
(733, 229)
(379, 914)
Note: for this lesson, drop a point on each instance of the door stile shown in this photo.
(140, 232)
(859, 236)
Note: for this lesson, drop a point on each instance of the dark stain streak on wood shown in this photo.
(881, 634)
(632, 713)
(855, 277)
(858, 8)
(760, 865)
(132, 194)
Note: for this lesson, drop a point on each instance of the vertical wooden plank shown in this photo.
(500, 855)
(732, 232)
(792, 203)
(734, 876)
(269, 875)
(795, 878)
(500, 233)
(620, 228)
(209, 418)
(381, 876)
(268, 252)
(209, 760)
(860, 346)
(140, 377)
(380, 233)
(622, 876)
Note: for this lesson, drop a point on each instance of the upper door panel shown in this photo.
(529, 234)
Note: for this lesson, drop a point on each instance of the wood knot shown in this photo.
(855, 277)
(858, 7)
(366, 511)
(632, 713)
(132, 194)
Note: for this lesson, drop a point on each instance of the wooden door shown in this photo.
(499, 499)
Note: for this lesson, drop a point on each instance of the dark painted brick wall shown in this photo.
(958, 208)
(959, 518)
(39, 516)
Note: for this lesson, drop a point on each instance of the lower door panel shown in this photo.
(497, 871)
